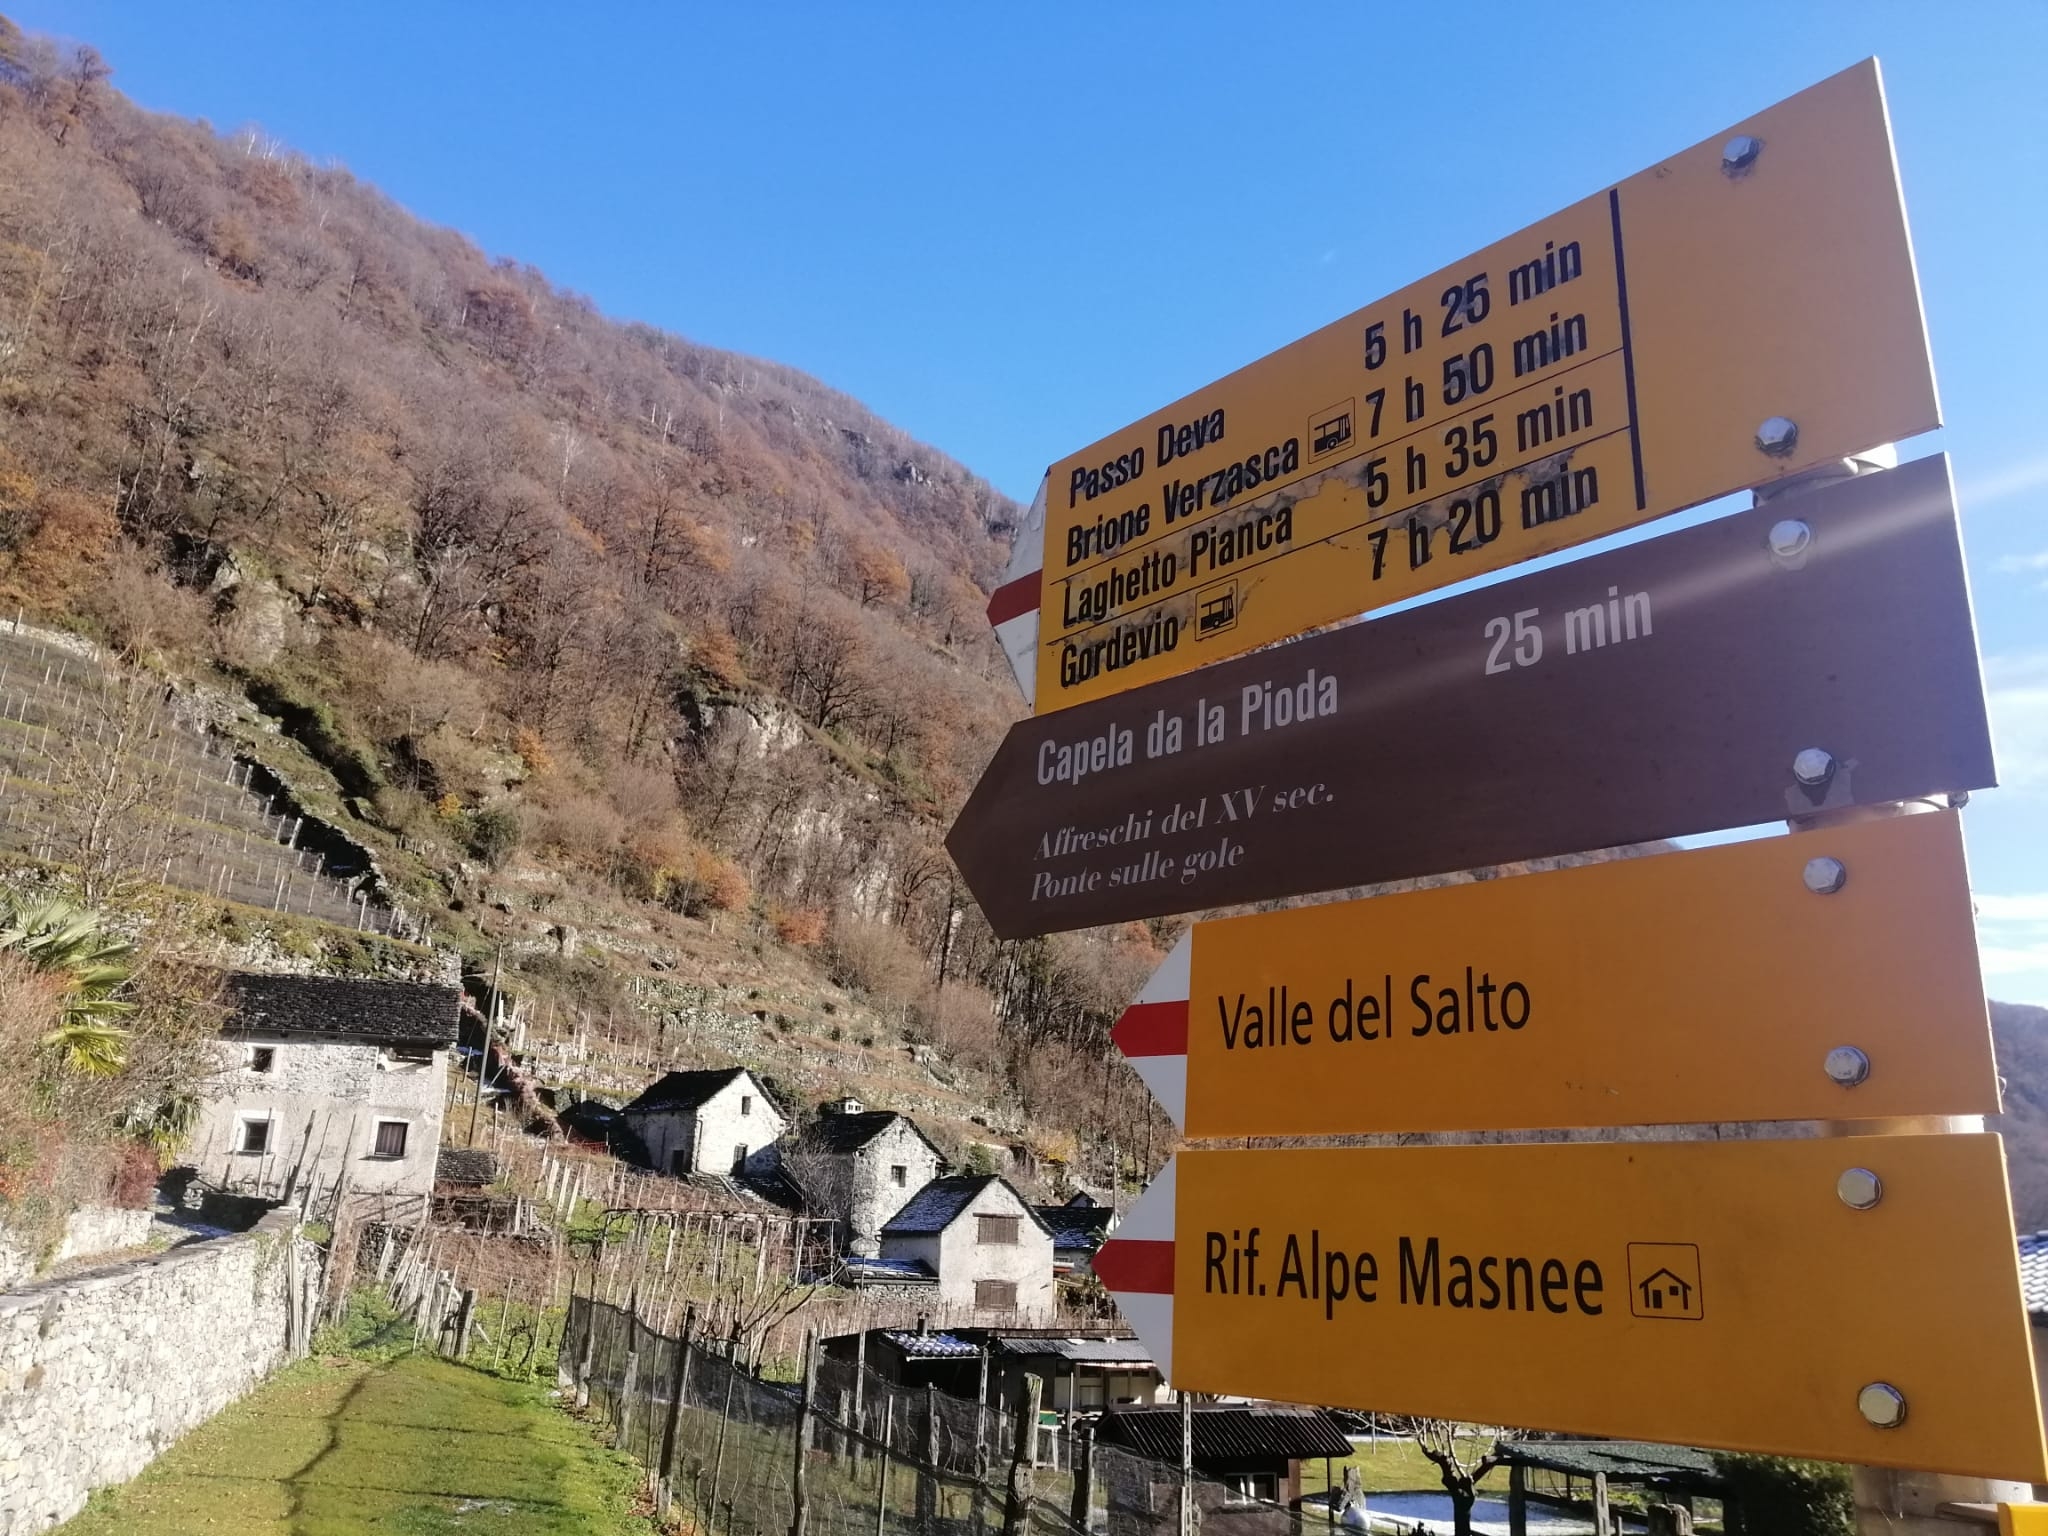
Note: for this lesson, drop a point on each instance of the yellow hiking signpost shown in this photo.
(1824, 976)
(1744, 310)
(1854, 1299)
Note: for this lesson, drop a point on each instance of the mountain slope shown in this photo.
(2020, 1035)
(576, 626)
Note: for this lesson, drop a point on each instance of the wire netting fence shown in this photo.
(877, 1458)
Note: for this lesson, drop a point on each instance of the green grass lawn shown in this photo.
(1392, 1466)
(417, 1445)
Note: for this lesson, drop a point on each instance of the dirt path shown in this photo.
(416, 1445)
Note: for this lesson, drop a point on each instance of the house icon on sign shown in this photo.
(1664, 1282)
(1657, 1288)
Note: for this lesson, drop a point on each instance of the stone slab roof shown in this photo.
(1076, 1226)
(684, 1090)
(849, 1133)
(1631, 1461)
(470, 1167)
(860, 1271)
(933, 1346)
(939, 1204)
(342, 1008)
(2034, 1274)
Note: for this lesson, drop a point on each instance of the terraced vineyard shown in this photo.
(75, 733)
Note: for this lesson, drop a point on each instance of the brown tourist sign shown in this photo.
(1810, 655)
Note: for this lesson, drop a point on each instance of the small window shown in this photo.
(1253, 1487)
(899, 1175)
(739, 1158)
(254, 1134)
(995, 1295)
(996, 1231)
(260, 1058)
(390, 1138)
(746, 1103)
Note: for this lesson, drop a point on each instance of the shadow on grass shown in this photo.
(414, 1444)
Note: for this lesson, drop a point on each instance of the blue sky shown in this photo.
(1012, 229)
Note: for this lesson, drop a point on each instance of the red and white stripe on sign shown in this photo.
(1013, 610)
(1136, 1265)
(1153, 1032)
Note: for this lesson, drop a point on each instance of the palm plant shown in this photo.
(166, 1125)
(91, 966)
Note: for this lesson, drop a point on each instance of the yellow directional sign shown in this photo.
(1744, 310)
(1856, 1300)
(1722, 984)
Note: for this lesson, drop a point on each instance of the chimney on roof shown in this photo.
(921, 1320)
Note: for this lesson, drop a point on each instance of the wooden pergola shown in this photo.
(1678, 1472)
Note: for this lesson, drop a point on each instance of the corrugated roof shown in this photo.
(398, 1012)
(1224, 1432)
(1079, 1351)
(685, 1090)
(939, 1204)
(933, 1346)
(2034, 1273)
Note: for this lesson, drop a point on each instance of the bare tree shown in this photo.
(831, 667)
(88, 73)
(1455, 1451)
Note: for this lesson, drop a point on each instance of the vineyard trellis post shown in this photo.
(1023, 1490)
(800, 1484)
(679, 1389)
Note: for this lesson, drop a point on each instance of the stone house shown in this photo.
(983, 1243)
(328, 1083)
(858, 1167)
(716, 1121)
(1078, 1229)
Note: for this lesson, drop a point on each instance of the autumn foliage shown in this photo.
(683, 627)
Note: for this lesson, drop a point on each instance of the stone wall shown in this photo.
(102, 1229)
(875, 1193)
(100, 1372)
(87, 1231)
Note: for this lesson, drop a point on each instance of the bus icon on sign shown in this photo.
(1215, 609)
(1664, 1282)
(1330, 429)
